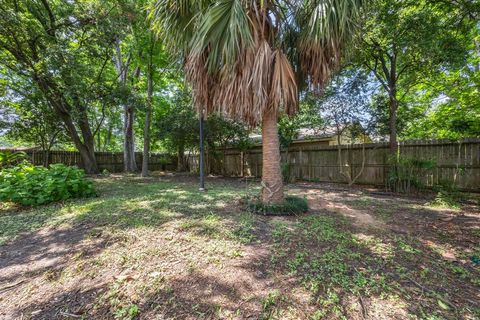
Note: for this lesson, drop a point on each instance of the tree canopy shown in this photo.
(110, 75)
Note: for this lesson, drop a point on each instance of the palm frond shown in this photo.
(283, 90)
(248, 57)
(175, 21)
(325, 27)
(225, 30)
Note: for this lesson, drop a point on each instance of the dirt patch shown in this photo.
(319, 200)
(155, 248)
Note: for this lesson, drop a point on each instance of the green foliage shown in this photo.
(128, 312)
(291, 206)
(445, 199)
(29, 185)
(244, 231)
(405, 173)
(286, 172)
(406, 45)
(8, 158)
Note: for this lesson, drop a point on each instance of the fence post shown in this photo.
(350, 161)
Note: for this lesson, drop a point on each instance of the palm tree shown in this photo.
(248, 59)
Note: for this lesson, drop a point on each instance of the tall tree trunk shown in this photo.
(122, 67)
(393, 124)
(148, 115)
(130, 164)
(272, 184)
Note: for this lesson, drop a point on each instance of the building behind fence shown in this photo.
(111, 161)
(455, 163)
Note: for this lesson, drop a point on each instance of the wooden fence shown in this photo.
(454, 162)
(111, 161)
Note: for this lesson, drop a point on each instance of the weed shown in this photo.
(244, 231)
(268, 304)
(291, 206)
(446, 200)
(127, 313)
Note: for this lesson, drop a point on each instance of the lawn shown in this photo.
(156, 248)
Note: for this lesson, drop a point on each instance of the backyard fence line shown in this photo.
(456, 162)
(111, 161)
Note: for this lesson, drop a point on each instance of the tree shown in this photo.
(36, 124)
(177, 126)
(344, 108)
(220, 134)
(148, 110)
(127, 53)
(58, 45)
(248, 59)
(404, 42)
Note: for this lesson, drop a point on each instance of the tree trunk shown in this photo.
(60, 105)
(393, 124)
(46, 158)
(148, 115)
(122, 67)
(181, 159)
(272, 184)
(108, 137)
(88, 159)
(128, 142)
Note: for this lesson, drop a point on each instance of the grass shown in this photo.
(154, 247)
(122, 205)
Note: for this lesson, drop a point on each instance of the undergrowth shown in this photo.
(291, 206)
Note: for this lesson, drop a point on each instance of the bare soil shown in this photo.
(184, 266)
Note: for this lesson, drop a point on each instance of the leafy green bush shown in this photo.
(29, 185)
(291, 206)
(287, 172)
(9, 158)
(407, 174)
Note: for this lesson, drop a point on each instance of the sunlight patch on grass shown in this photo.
(122, 203)
(375, 245)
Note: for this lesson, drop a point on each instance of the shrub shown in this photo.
(445, 199)
(291, 206)
(10, 159)
(407, 174)
(29, 185)
(287, 172)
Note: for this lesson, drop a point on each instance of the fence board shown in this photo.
(456, 162)
(111, 161)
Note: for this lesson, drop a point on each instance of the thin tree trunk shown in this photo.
(46, 156)
(108, 137)
(224, 166)
(99, 141)
(272, 184)
(393, 124)
(128, 143)
(181, 159)
(128, 110)
(148, 115)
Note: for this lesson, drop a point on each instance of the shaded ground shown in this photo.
(157, 249)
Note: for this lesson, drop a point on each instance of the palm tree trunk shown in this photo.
(272, 184)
